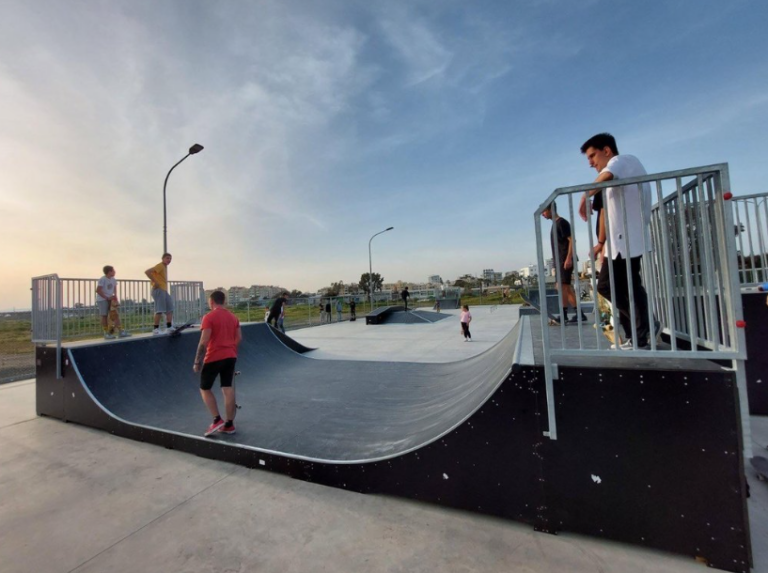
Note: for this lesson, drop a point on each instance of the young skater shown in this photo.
(466, 318)
(106, 298)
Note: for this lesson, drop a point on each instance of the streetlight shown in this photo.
(370, 266)
(196, 148)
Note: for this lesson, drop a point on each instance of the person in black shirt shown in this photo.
(276, 310)
(562, 239)
(328, 315)
(352, 305)
(405, 295)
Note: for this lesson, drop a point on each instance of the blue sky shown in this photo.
(326, 121)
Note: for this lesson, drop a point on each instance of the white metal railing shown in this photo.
(689, 274)
(750, 215)
(65, 308)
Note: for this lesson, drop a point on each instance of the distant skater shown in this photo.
(106, 300)
(281, 319)
(277, 309)
(437, 305)
(352, 312)
(405, 295)
(163, 300)
(220, 335)
(465, 319)
(322, 312)
(328, 315)
(339, 309)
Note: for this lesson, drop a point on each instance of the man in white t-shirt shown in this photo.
(628, 241)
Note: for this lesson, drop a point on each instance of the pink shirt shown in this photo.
(465, 316)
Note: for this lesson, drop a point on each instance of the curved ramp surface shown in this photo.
(325, 410)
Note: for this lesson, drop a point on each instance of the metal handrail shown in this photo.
(689, 272)
(751, 239)
(65, 308)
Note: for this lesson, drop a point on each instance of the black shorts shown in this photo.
(223, 368)
(566, 276)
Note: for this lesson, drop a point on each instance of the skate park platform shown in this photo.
(452, 469)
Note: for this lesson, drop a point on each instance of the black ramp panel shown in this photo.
(293, 404)
(756, 313)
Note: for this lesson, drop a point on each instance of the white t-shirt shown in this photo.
(108, 287)
(637, 200)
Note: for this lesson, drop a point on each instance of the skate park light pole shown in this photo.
(196, 148)
(370, 266)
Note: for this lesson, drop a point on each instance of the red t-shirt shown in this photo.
(223, 342)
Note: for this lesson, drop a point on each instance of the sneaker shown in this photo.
(170, 330)
(108, 336)
(214, 427)
(227, 429)
(124, 334)
(626, 345)
(156, 332)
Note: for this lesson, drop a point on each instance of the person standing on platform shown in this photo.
(163, 300)
(328, 315)
(405, 295)
(106, 298)
(339, 309)
(352, 311)
(465, 318)
(603, 155)
(281, 319)
(562, 240)
(216, 356)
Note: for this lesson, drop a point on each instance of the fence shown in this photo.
(65, 308)
(689, 272)
(750, 214)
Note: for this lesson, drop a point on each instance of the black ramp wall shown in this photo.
(649, 456)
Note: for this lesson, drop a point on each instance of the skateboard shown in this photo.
(181, 329)
(554, 320)
(112, 317)
(761, 467)
(606, 319)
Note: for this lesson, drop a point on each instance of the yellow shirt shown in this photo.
(160, 274)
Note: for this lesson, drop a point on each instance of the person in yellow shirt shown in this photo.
(163, 301)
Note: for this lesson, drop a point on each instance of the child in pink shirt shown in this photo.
(465, 319)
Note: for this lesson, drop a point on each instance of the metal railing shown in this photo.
(688, 268)
(65, 308)
(750, 216)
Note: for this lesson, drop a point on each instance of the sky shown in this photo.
(326, 121)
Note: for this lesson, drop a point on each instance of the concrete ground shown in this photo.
(439, 341)
(74, 499)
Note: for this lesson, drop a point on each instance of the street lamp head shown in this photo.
(389, 229)
(196, 148)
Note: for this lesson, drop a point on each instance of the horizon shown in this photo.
(326, 123)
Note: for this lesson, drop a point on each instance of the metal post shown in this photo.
(370, 265)
(196, 148)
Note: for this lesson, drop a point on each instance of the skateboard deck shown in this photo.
(112, 317)
(761, 467)
(182, 328)
(606, 319)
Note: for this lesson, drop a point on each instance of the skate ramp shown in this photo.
(325, 410)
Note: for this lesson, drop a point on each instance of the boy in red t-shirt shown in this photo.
(216, 356)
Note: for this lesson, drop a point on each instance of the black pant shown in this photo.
(272, 319)
(405, 302)
(465, 329)
(621, 295)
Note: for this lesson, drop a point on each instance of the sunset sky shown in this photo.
(327, 121)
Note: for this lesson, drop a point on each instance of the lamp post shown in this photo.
(196, 148)
(370, 266)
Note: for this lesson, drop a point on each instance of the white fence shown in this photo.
(689, 274)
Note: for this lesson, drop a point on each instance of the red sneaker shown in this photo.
(213, 428)
(227, 429)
